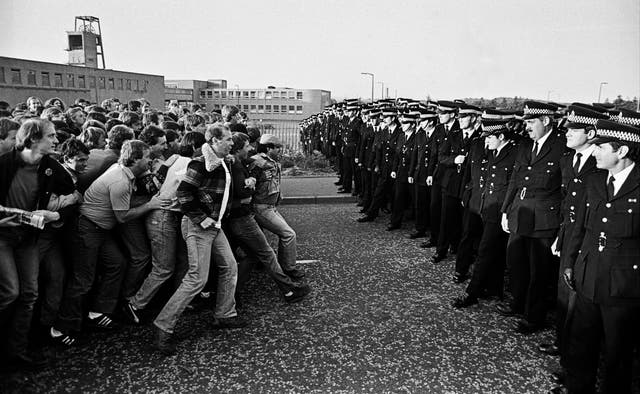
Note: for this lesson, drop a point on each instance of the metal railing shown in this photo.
(288, 133)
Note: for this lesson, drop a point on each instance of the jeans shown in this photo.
(201, 244)
(134, 236)
(268, 217)
(94, 249)
(52, 276)
(246, 232)
(163, 228)
(19, 288)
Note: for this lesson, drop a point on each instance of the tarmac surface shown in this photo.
(378, 320)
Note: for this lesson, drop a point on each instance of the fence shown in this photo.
(288, 133)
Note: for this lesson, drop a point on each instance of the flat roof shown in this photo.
(80, 67)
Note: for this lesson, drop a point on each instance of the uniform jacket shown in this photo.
(474, 175)
(453, 146)
(441, 135)
(534, 197)
(402, 157)
(365, 146)
(496, 182)
(351, 136)
(604, 250)
(384, 156)
(574, 191)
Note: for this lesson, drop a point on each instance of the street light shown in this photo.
(381, 90)
(600, 90)
(372, 83)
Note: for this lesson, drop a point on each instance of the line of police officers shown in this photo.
(550, 193)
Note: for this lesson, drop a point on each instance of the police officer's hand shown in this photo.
(459, 159)
(410, 179)
(429, 180)
(554, 248)
(393, 174)
(505, 223)
(376, 170)
(569, 279)
(356, 160)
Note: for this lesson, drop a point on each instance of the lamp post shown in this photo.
(549, 94)
(600, 90)
(372, 83)
(381, 89)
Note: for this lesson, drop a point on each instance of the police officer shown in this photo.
(351, 125)
(603, 265)
(488, 272)
(531, 216)
(370, 120)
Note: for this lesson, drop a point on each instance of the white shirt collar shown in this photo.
(586, 152)
(542, 140)
(620, 178)
(500, 148)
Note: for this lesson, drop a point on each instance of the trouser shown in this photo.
(95, 251)
(244, 231)
(339, 161)
(450, 223)
(617, 328)
(19, 267)
(52, 276)
(422, 202)
(163, 229)
(347, 172)
(435, 211)
(201, 245)
(269, 218)
(488, 273)
(381, 193)
(401, 201)
(134, 236)
(532, 269)
(469, 242)
(367, 186)
(357, 180)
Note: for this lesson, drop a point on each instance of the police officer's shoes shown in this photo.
(465, 302)
(417, 234)
(506, 310)
(558, 390)
(366, 218)
(428, 244)
(549, 348)
(525, 328)
(436, 258)
(460, 278)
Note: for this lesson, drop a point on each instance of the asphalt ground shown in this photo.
(378, 320)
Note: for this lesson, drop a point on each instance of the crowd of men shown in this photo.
(547, 195)
(109, 209)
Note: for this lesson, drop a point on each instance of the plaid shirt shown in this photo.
(201, 192)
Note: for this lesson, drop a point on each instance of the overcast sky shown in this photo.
(445, 49)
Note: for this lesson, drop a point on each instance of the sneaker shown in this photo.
(229, 322)
(163, 341)
(297, 294)
(101, 322)
(61, 339)
(131, 313)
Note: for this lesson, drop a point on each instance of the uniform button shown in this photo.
(608, 205)
(630, 211)
(493, 175)
(494, 167)
(526, 178)
(573, 193)
(635, 267)
(490, 191)
(529, 168)
(572, 208)
(604, 220)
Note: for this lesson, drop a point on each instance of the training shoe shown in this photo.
(163, 341)
(297, 294)
(464, 302)
(229, 322)
(102, 322)
(294, 273)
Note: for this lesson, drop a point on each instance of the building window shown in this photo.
(71, 80)
(299, 109)
(245, 94)
(111, 83)
(268, 95)
(203, 94)
(209, 93)
(283, 95)
(16, 77)
(260, 109)
(57, 80)
(223, 94)
(253, 109)
(245, 108)
(216, 106)
(261, 94)
(45, 79)
(128, 84)
(253, 94)
(92, 82)
(2, 79)
(276, 95)
(146, 85)
(120, 84)
(31, 77)
(137, 86)
(292, 109)
(216, 94)
(101, 83)
(292, 95)
(81, 81)
(299, 95)
(276, 109)
(267, 108)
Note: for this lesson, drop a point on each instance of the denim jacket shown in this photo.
(268, 176)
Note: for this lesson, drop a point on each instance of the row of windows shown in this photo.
(72, 80)
(267, 109)
(251, 94)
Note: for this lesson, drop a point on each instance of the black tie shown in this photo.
(610, 189)
(534, 153)
(576, 166)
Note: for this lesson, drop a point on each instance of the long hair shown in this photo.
(31, 131)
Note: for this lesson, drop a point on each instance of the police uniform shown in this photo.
(532, 205)
(404, 146)
(605, 257)
(423, 166)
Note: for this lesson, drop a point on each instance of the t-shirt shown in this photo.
(98, 162)
(175, 174)
(110, 192)
(23, 192)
